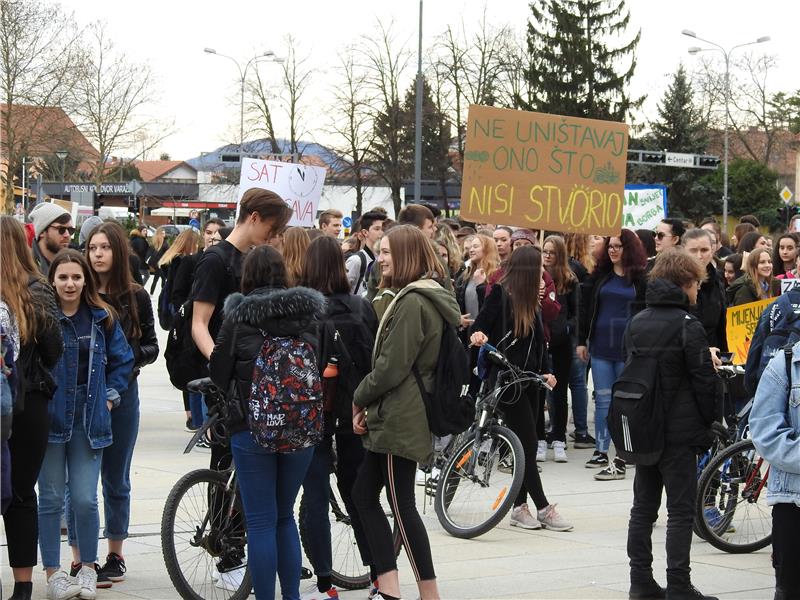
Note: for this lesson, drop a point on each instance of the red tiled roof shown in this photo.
(150, 170)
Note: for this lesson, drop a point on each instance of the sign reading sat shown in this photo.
(544, 171)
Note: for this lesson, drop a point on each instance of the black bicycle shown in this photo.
(484, 472)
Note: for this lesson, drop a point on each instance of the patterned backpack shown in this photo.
(285, 407)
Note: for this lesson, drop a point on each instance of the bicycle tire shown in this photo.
(454, 476)
(205, 480)
(346, 561)
(734, 482)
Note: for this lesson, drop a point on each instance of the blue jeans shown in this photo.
(198, 408)
(580, 396)
(269, 484)
(604, 374)
(81, 464)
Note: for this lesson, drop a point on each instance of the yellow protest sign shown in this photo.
(740, 326)
(543, 171)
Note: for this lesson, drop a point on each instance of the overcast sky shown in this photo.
(200, 91)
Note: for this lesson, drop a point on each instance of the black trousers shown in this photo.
(27, 444)
(397, 474)
(786, 550)
(521, 417)
(562, 363)
(676, 472)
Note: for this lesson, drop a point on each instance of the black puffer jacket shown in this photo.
(145, 347)
(276, 312)
(710, 309)
(688, 383)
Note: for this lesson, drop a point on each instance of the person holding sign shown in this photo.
(611, 296)
(757, 283)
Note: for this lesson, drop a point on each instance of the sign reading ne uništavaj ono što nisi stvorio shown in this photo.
(299, 185)
(544, 171)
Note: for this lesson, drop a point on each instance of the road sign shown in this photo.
(347, 222)
(786, 194)
(135, 187)
(678, 159)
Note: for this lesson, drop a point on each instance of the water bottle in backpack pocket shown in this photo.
(285, 406)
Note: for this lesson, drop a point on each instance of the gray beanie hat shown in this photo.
(43, 214)
(88, 226)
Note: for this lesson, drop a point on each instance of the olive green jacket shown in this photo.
(409, 334)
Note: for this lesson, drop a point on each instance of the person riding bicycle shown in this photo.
(689, 391)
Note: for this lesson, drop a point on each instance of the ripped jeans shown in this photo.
(604, 374)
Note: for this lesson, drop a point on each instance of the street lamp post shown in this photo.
(727, 54)
(62, 156)
(242, 76)
(418, 120)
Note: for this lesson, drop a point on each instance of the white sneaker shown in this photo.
(550, 519)
(61, 586)
(230, 581)
(541, 451)
(87, 579)
(521, 517)
(420, 477)
(560, 452)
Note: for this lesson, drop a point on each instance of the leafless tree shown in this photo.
(296, 77)
(351, 124)
(259, 107)
(110, 102)
(40, 53)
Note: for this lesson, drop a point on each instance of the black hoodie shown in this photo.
(688, 383)
(247, 320)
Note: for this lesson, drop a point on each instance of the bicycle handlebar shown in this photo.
(500, 360)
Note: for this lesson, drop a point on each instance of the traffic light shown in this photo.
(653, 157)
(708, 162)
(98, 202)
(784, 214)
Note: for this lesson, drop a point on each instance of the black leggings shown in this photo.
(521, 418)
(562, 362)
(397, 474)
(786, 554)
(27, 444)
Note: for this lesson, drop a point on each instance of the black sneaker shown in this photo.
(598, 460)
(103, 582)
(583, 440)
(646, 591)
(202, 443)
(687, 593)
(189, 427)
(114, 569)
(614, 470)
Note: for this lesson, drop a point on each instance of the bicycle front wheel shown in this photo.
(479, 483)
(731, 509)
(203, 538)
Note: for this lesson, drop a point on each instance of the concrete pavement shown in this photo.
(589, 562)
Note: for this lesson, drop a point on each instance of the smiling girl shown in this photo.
(757, 283)
(92, 376)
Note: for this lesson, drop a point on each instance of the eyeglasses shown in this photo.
(548, 252)
(615, 247)
(62, 229)
(660, 235)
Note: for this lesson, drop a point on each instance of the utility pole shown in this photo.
(418, 119)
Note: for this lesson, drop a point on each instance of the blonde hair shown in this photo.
(578, 248)
(16, 269)
(186, 243)
(158, 238)
(445, 236)
(295, 246)
(489, 261)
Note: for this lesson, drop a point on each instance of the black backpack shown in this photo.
(450, 408)
(637, 412)
(783, 332)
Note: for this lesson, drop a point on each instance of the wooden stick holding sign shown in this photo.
(543, 171)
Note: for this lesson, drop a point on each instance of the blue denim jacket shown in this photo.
(110, 361)
(775, 427)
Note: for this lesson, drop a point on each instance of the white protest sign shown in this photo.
(789, 284)
(644, 206)
(299, 185)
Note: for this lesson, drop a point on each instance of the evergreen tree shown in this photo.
(573, 66)
(436, 135)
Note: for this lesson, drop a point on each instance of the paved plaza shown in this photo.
(589, 562)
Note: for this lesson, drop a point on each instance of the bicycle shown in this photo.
(483, 475)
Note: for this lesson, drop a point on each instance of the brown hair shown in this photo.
(16, 269)
(89, 294)
(561, 272)
(324, 267)
(268, 206)
(445, 236)
(415, 214)
(413, 257)
(489, 262)
(328, 215)
(578, 248)
(741, 230)
(263, 267)
(121, 285)
(187, 242)
(751, 269)
(678, 266)
(295, 245)
(521, 282)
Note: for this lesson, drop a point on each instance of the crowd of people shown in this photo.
(364, 317)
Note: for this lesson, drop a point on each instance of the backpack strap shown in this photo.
(787, 354)
(362, 271)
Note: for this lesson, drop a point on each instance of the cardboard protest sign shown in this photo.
(740, 326)
(789, 284)
(299, 185)
(543, 171)
(644, 206)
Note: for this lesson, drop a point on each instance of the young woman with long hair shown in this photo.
(268, 480)
(107, 254)
(92, 377)
(470, 287)
(160, 247)
(757, 283)
(390, 410)
(784, 255)
(563, 330)
(732, 269)
(609, 299)
(32, 303)
(511, 321)
(444, 235)
(295, 245)
(350, 323)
